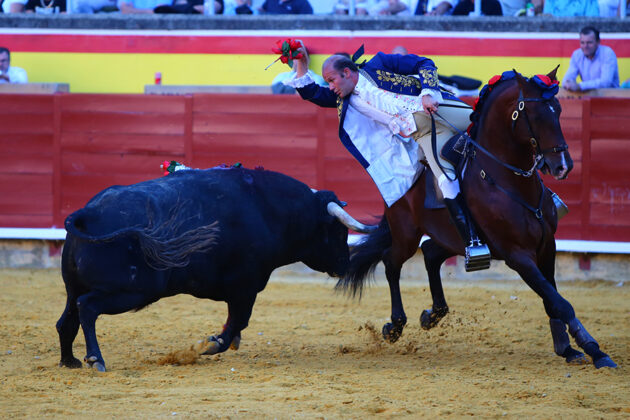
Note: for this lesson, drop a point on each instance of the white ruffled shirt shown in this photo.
(393, 110)
(394, 161)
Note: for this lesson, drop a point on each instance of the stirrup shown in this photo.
(477, 256)
(561, 208)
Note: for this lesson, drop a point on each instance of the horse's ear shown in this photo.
(552, 73)
(520, 79)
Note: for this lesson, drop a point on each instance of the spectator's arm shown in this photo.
(16, 7)
(441, 8)
(127, 7)
(568, 81)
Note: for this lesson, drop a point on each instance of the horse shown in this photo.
(515, 125)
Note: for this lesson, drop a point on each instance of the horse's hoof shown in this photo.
(236, 343)
(214, 345)
(391, 333)
(426, 320)
(72, 363)
(604, 362)
(94, 363)
(575, 357)
(430, 318)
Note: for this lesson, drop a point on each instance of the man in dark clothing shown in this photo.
(287, 7)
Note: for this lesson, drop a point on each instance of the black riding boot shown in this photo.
(477, 254)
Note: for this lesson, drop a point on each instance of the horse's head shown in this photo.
(536, 120)
(519, 118)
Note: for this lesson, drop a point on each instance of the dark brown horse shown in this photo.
(516, 132)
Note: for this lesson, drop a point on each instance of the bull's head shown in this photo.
(330, 253)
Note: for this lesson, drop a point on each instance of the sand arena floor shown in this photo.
(311, 353)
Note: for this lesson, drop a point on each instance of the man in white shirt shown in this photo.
(381, 104)
(595, 64)
(9, 74)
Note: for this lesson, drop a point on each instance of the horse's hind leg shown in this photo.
(559, 308)
(434, 257)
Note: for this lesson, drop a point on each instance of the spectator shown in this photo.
(239, 7)
(435, 7)
(140, 6)
(569, 8)
(517, 7)
(392, 7)
(188, 7)
(287, 7)
(8, 73)
(46, 7)
(595, 64)
(361, 7)
(13, 6)
(399, 49)
(488, 8)
(94, 6)
(609, 8)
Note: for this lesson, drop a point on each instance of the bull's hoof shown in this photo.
(391, 332)
(72, 363)
(94, 363)
(430, 318)
(575, 357)
(236, 343)
(214, 345)
(605, 361)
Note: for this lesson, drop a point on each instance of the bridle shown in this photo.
(538, 159)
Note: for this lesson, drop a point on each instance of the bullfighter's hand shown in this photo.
(429, 104)
(301, 64)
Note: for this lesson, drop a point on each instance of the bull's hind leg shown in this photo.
(559, 308)
(68, 324)
(434, 257)
(93, 304)
(67, 328)
(239, 312)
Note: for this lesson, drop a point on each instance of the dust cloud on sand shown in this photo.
(311, 353)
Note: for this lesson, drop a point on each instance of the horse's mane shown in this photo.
(548, 86)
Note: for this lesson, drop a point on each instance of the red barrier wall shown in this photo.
(59, 150)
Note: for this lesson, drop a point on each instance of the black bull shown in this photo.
(215, 233)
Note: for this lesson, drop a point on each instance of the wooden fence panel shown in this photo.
(63, 149)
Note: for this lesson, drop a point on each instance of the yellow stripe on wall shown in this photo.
(129, 73)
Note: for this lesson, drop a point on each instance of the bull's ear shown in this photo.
(520, 79)
(552, 73)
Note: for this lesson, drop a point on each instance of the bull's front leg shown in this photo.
(239, 312)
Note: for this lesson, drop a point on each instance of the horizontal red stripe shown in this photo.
(197, 44)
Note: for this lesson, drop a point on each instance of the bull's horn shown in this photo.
(335, 209)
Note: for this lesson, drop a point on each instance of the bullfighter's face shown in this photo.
(340, 82)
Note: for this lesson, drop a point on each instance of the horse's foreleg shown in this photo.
(434, 257)
(393, 330)
(561, 343)
(559, 309)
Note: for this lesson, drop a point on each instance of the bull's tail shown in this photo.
(363, 260)
(164, 246)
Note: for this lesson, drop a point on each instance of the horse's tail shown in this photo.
(163, 246)
(363, 259)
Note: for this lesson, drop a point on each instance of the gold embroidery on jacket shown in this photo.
(398, 79)
(429, 77)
